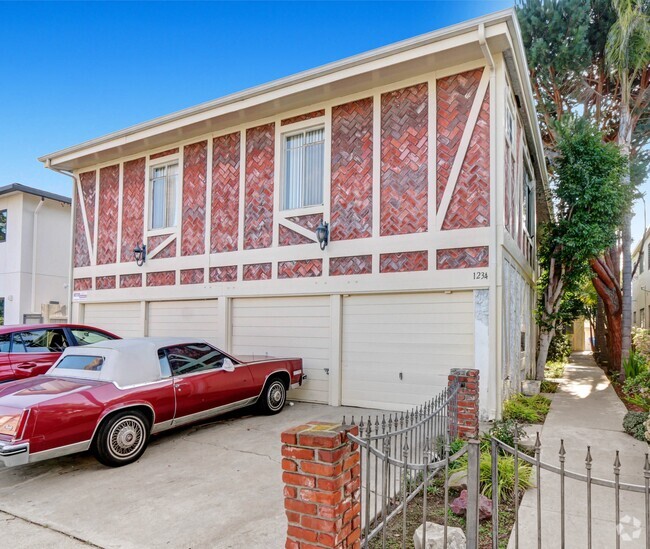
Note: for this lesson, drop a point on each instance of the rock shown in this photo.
(436, 536)
(459, 506)
(458, 480)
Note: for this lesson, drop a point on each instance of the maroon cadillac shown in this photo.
(109, 397)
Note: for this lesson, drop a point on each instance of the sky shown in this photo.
(73, 71)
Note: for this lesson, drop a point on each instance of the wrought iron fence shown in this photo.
(400, 455)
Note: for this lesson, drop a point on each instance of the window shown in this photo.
(5, 343)
(642, 318)
(165, 370)
(641, 262)
(303, 169)
(3, 225)
(86, 337)
(162, 192)
(510, 123)
(529, 204)
(634, 320)
(39, 341)
(197, 357)
(79, 362)
(2, 311)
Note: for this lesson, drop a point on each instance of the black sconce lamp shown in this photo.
(322, 234)
(140, 254)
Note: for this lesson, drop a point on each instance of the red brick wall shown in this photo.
(351, 187)
(465, 416)
(109, 182)
(301, 117)
(154, 241)
(287, 237)
(463, 258)
(403, 261)
(195, 168)
(257, 271)
(87, 198)
(470, 203)
(81, 284)
(300, 269)
(225, 193)
(131, 281)
(132, 207)
(351, 265)
(404, 116)
(105, 282)
(454, 98)
(81, 254)
(223, 274)
(161, 278)
(192, 276)
(258, 211)
(163, 153)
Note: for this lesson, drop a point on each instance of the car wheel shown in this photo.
(274, 397)
(122, 439)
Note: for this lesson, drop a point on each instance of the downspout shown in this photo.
(48, 165)
(494, 334)
(34, 242)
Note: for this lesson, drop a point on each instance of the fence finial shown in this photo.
(588, 459)
(562, 450)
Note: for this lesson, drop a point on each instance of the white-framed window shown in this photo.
(528, 209)
(642, 318)
(510, 124)
(303, 168)
(3, 225)
(163, 189)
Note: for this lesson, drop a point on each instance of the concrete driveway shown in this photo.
(214, 485)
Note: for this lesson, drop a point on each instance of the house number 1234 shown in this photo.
(480, 276)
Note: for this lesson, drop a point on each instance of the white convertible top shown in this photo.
(126, 361)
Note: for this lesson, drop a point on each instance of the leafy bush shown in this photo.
(526, 409)
(634, 424)
(548, 386)
(641, 341)
(504, 430)
(637, 389)
(634, 364)
(554, 369)
(560, 347)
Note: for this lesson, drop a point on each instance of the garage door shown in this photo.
(287, 327)
(398, 348)
(189, 318)
(123, 319)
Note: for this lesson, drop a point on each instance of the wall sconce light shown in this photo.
(140, 254)
(322, 234)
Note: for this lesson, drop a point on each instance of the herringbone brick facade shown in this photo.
(300, 269)
(163, 153)
(508, 189)
(87, 199)
(223, 274)
(224, 229)
(161, 278)
(192, 276)
(88, 191)
(463, 258)
(351, 187)
(454, 98)
(131, 281)
(401, 262)
(301, 117)
(258, 210)
(132, 207)
(195, 170)
(470, 202)
(109, 183)
(351, 265)
(81, 254)
(404, 187)
(287, 237)
(257, 271)
(82, 284)
(105, 282)
(154, 241)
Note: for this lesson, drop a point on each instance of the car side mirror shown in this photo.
(228, 366)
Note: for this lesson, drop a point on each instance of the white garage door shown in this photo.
(123, 319)
(287, 327)
(191, 318)
(398, 348)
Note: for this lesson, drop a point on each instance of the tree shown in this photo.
(628, 55)
(590, 202)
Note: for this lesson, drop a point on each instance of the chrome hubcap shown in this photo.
(126, 437)
(276, 395)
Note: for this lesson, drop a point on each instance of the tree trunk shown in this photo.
(545, 338)
(602, 347)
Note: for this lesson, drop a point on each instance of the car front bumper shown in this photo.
(12, 454)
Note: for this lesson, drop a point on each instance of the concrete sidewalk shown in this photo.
(586, 412)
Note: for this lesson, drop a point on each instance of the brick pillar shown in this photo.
(322, 477)
(464, 418)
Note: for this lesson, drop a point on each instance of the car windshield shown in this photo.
(81, 362)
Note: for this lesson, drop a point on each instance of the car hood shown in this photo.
(35, 390)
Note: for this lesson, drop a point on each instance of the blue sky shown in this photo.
(75, 71)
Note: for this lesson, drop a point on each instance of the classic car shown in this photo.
(30, 350)
(109, 397)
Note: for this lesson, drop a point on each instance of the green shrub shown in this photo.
(554, 369)
(638, 384)
(641, 341)
(504, 430)
(548, 386)
(633, 424)
(634, 364)
(560, 347)
(526, 409)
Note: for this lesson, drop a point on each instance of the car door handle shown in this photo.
(28, 365)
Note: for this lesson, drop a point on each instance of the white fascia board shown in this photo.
(439, 40)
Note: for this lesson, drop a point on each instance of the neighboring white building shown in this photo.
(34, 254)
(641, 282)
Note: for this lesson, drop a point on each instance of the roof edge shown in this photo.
(20, 188)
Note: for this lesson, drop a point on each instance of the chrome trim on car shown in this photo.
(12, 454)
(184, 420)
(60, 451)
